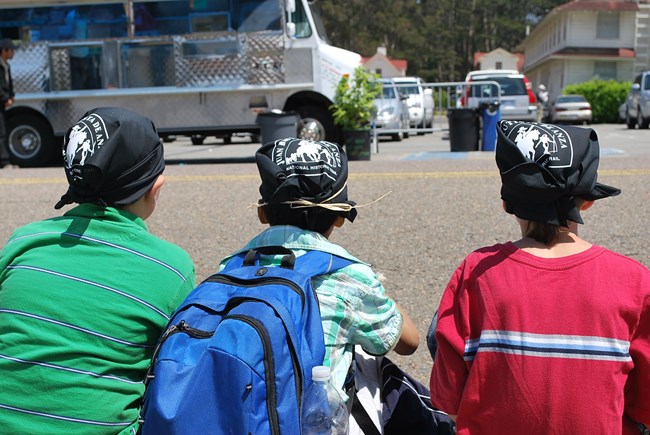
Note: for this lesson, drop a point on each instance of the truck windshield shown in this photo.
(316, 15)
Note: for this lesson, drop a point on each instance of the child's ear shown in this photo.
(340, 220)
(585, 205)
(261, 215)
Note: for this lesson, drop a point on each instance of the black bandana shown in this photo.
(112, 157)
(302, 170)
(544, 168)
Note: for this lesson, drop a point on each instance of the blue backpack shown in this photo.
(238, 353)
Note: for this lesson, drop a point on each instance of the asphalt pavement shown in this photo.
(439, 205)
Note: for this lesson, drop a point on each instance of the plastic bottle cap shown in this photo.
(320, 373)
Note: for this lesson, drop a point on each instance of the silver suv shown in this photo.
(637, 105)
(518, 102)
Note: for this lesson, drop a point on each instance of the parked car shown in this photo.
(392, 111)
(638, 102)
(518, 100)
(419, 102)
(572, 108)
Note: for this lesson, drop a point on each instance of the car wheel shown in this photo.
(397, 137)
(641, 120)
(631, 122)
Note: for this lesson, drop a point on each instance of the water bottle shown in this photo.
(323, 410)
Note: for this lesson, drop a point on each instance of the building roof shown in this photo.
(520, 57)
(598, 5)
(399, 64)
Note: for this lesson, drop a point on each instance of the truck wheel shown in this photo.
(316, 123)
(31, 142)
(197, 139)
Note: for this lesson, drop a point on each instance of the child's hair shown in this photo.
(543, 232)
(311, 219)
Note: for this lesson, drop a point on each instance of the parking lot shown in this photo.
(440, 205)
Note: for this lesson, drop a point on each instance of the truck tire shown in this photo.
(31, 142)
(316, 123)
(197, 139)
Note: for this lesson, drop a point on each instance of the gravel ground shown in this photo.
(437, 211)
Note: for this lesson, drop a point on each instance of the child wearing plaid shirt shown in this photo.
(304, 197)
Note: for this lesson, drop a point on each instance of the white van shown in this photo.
(419, 101)
(518, 100)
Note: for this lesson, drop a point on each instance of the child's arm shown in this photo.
(409, 339)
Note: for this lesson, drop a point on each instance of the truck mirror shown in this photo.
(291, 29)
(636, 87)
(291, 6)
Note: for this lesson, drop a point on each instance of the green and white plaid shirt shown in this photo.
(354, 307)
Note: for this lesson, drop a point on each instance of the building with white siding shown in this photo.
(383, 65)
(585, 39)
(498, 59)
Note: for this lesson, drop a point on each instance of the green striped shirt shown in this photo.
(83, 300)
(355, 309)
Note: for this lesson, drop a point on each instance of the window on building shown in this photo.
(499, 65)
(605, 70)
(607, 26)
(378, 71)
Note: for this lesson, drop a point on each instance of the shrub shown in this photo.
(354, 100)
(605, 97)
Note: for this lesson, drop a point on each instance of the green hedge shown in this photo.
(605, 97)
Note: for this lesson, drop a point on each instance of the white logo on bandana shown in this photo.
(86, 137)
(308, 157)
(536, 140)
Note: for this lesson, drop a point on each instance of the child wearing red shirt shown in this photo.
(549, 333)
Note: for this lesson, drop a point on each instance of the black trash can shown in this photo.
(277, 125)
(463, 129)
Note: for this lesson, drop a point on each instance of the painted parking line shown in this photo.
(460, 155)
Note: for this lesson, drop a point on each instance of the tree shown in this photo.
(437, 37)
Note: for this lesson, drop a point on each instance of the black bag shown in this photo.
(406, 406)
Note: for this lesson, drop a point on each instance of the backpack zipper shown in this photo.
(269, 368)
(225, 279)
(182, 326)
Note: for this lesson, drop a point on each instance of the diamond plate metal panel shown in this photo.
(60, 61)
(211, 70)
(265, 58)
(29, 68)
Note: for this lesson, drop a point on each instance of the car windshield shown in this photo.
(409, 89)
(388, 91)
(509, 86)
(571, 99)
